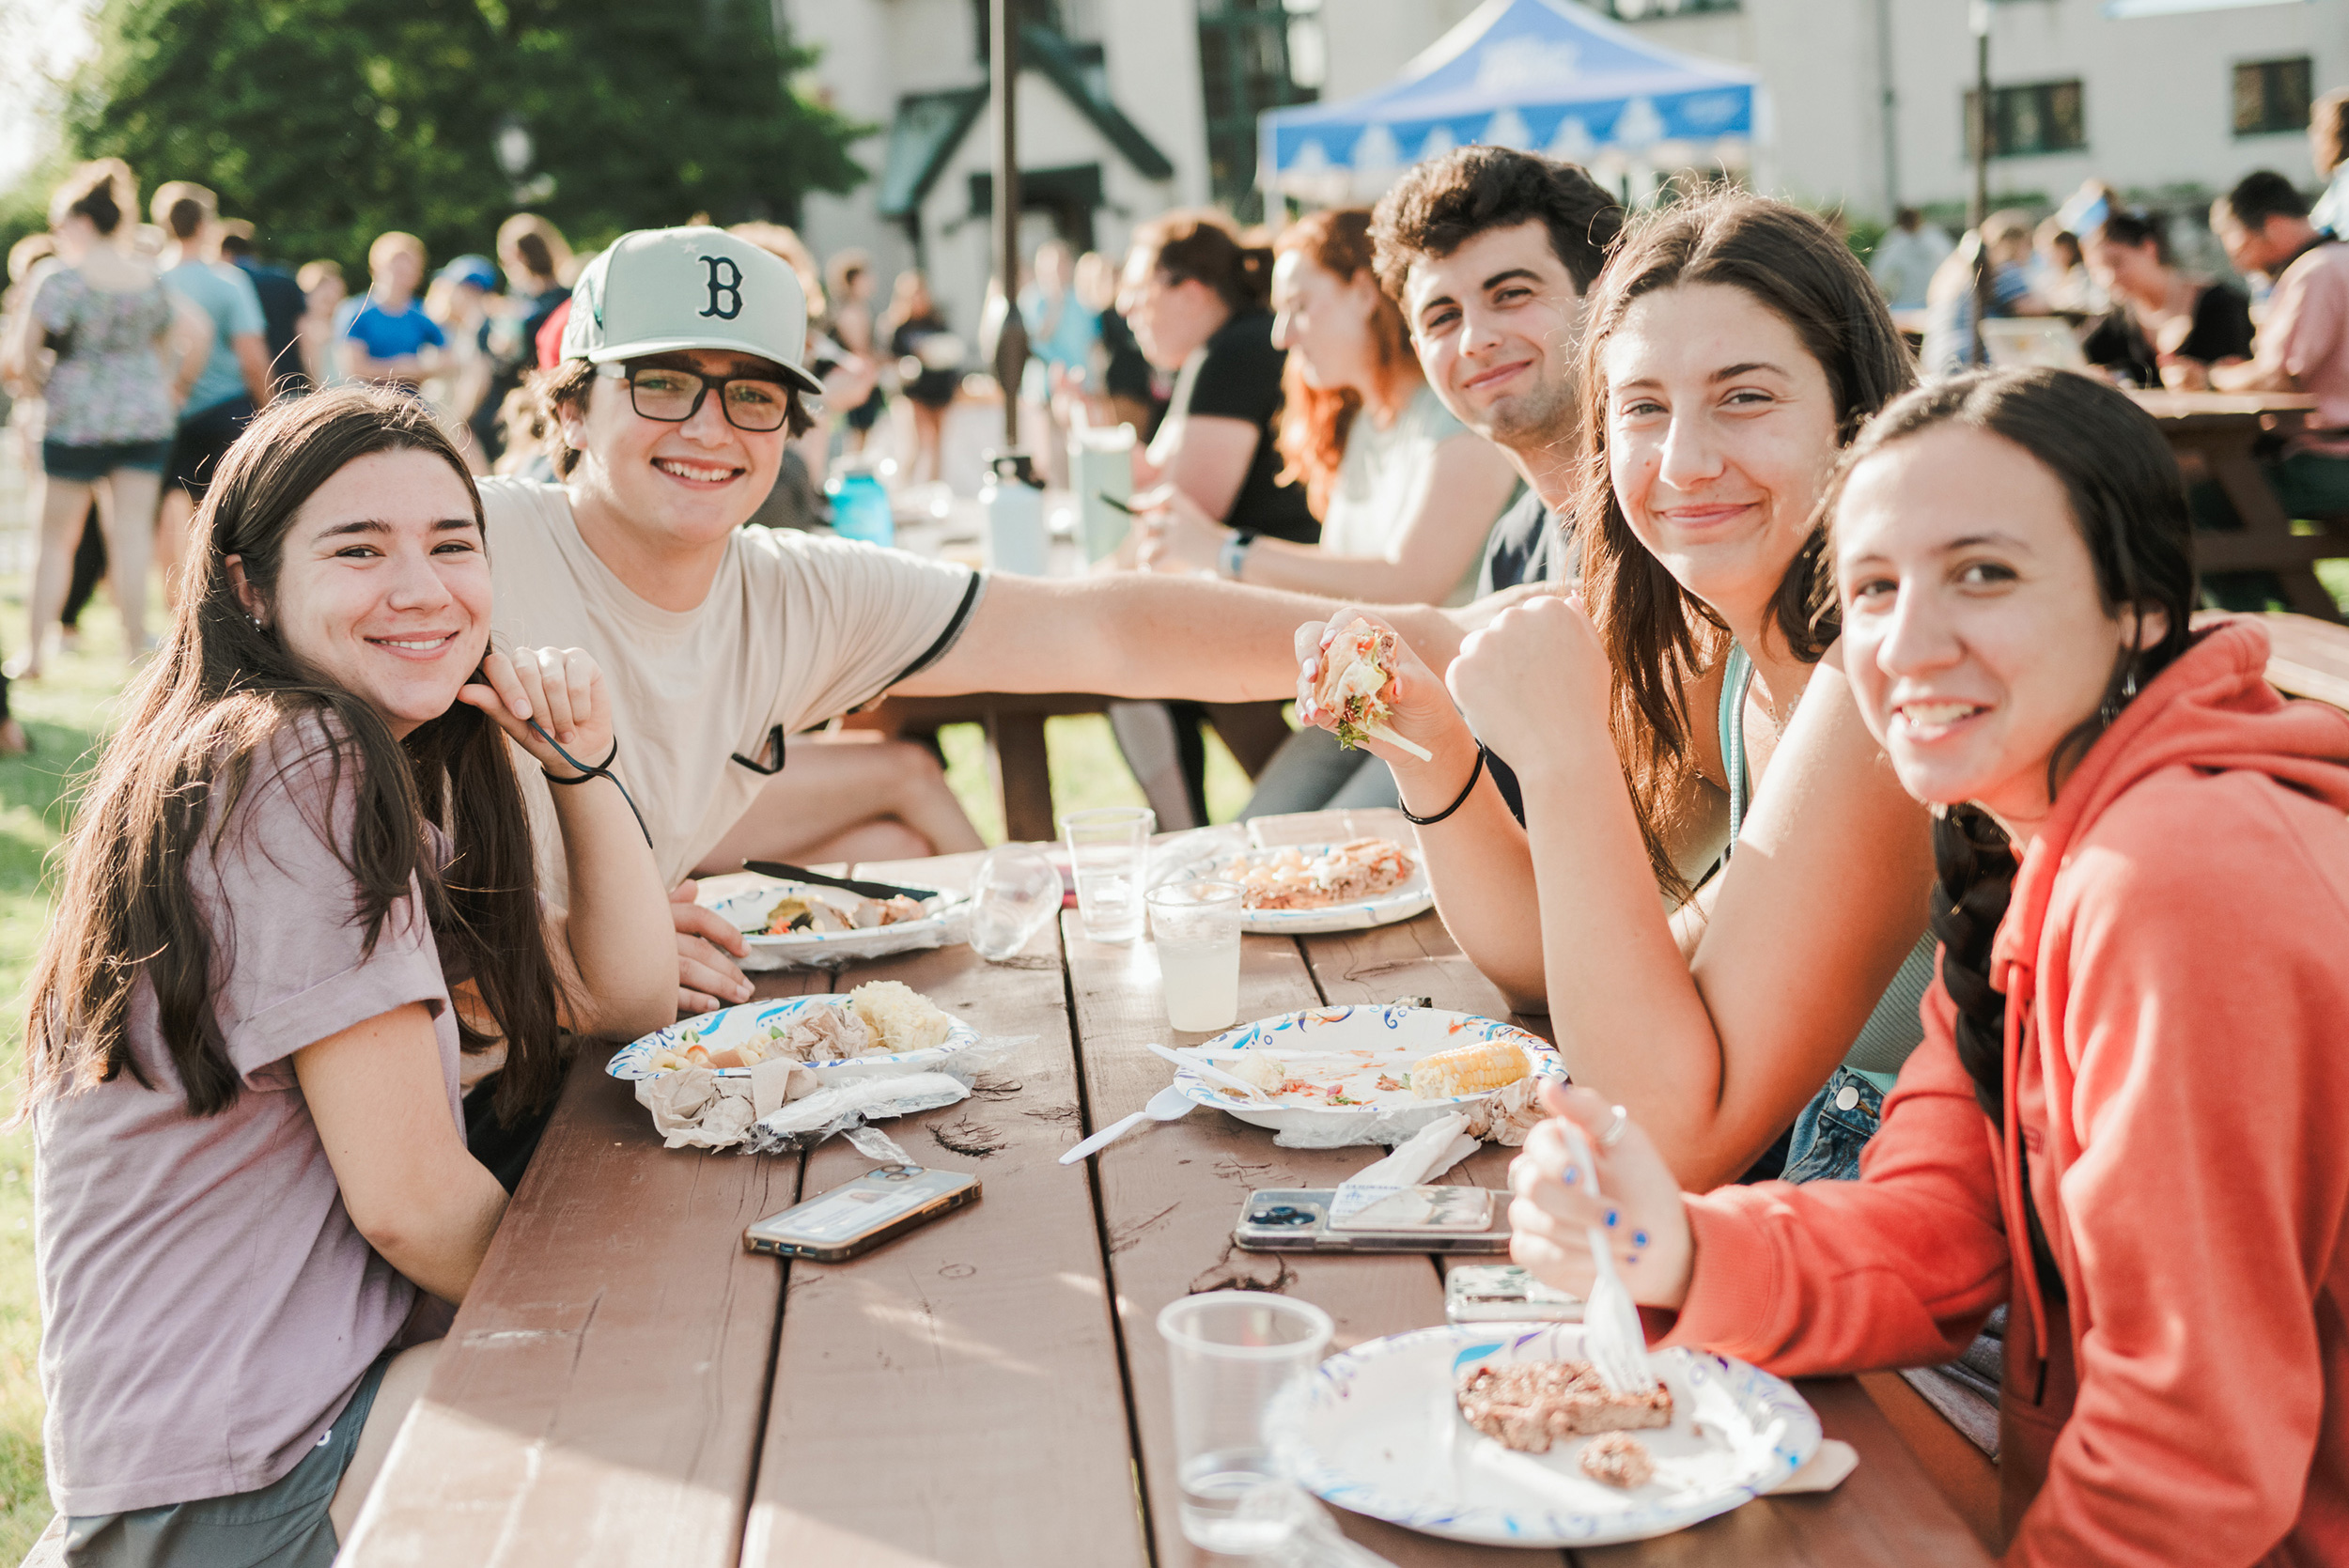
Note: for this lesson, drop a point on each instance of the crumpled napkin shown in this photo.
(1427, 1154)
(881, 1092)
(1825, 1470)
(782, 1104)
(693, 1107)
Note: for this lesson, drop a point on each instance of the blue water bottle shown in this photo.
(860, 506)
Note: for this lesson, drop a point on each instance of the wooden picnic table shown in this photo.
(625, 1385)
(2216, 434)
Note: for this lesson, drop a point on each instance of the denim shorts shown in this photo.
(283, 1525)
(1833, 1130)
(87, 465)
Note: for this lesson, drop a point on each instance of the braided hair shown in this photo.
(2129, 502)
(1973, 881)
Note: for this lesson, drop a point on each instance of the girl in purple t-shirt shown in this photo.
(252, 1183)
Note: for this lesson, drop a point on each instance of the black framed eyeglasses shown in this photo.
(674, 395)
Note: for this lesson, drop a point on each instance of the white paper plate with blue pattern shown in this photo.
(1394, 1032)
(1378, 1430)
(762, 1020)
(945, 923)
(1411, 896)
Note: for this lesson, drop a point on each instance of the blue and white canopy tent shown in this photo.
(1541, 75)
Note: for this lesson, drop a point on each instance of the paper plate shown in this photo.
(1411, 896)
(747, 910)
(1407, 1032)
(753, 1019)
(1376, 1430)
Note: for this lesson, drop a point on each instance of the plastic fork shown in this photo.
(1612, 1335)
(1165, 1106)
(1212, 1074)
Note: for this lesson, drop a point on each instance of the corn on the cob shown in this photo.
(1468, 1070)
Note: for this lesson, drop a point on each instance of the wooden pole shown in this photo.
(1980, 207)
(1011, 344)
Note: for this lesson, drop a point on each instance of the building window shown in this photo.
(2271, 97)
(1639, 11)
(1253, 55)
(2038, 117)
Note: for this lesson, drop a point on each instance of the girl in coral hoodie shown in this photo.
(2130, 1117)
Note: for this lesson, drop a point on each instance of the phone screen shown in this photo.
(1446, 1210)
(866, 1208)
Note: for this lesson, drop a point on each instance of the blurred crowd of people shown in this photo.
(1283, 431)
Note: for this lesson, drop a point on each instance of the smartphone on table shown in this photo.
(1414, 1219)
(858, 1216)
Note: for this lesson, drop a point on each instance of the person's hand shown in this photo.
(1640, 1210)
(559, 687)
(2180, 374)
(1175, 534)
(1534, 679)
(707, 946)
(850, 382)
(1418, 707)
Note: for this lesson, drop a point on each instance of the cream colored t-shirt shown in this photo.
(1383, 481)
(796, 631)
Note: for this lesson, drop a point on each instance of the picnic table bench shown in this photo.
(2217, 434)
(625, 1385)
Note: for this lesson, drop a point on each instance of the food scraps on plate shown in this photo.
(1345, 1077)
(806, 909)
(879, 1017)
(1341, 874)
(1528, 1405)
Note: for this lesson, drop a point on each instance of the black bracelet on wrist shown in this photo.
(600, 770)
(1461, 799)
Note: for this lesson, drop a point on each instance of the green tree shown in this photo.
(329, 122)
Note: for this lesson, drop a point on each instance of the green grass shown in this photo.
(65, 713)
(1087, 772)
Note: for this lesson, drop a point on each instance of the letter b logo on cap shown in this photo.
(725, 287)
(672, 290)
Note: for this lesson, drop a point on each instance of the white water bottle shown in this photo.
(1015, 534)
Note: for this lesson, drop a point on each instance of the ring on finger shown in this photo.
(1612, 1133)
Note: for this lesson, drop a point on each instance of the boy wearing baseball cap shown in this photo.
(681, 379)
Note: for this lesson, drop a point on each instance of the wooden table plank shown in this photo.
(1886, 1514)
(1169, 1197)
(2309, 657)
(599, 1398)
(955, 1396)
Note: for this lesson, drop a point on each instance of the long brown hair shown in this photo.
(1314, 421)
(1660, 636)
(220, 692)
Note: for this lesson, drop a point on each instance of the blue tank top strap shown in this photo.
(1736, 680)
(1893, 1029)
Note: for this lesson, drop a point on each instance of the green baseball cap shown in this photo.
(657, 290)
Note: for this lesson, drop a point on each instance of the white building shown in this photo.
(1870, 97)
(1127, 107)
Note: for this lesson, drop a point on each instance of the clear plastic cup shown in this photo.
(1015, 894)
(1109, 854)
(1229, 1352)
(1196, 926)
